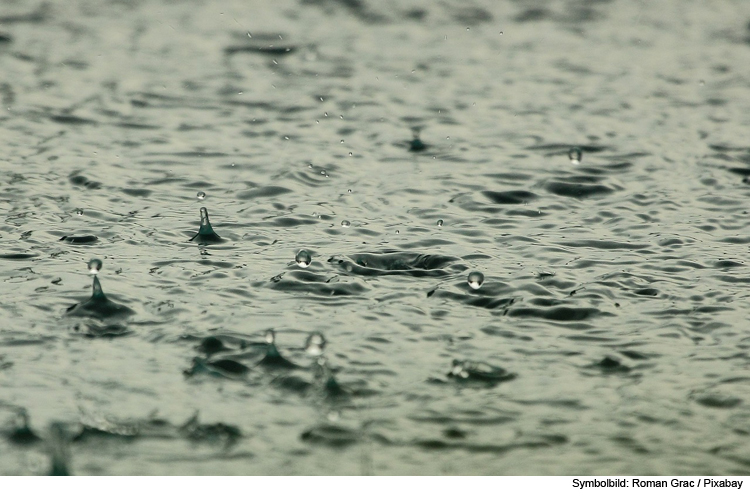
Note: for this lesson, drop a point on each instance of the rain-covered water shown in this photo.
(461, 237)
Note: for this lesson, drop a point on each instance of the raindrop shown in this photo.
(575, 154)
(201, 195)
(325, 114)
(303, 258)
(94, 266)
(467, 28)
(270, 337)
(350, 154)
(249, 35)
(323, 172)
(315, 344)
(345, 223)
(79, 211)
(501, 33)
(702, 83)
(440, 223)
(341, 117)
(475, 279)
(342, 140)
(349, 191)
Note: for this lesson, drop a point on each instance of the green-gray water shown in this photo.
(591, 159)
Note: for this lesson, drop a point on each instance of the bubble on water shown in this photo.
(575, 154)
(79, 211)
(201, 195)
(315, 344)
(345, 223)
(94, 266)
(475, 279)
(440, 223)
(270, 337)
(303, 258)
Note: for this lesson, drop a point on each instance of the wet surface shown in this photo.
(360, 162)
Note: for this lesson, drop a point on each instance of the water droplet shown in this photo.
(249, 35)
(325, 114)
(315, 344)
(350, 154)
(303, 258)
(475, 279)
(345, 223)
(702, 83)
(397, 231)
(342, 140)
(501, 33)
(467, 28)
(341, 117)
(440, 223)
(349, 191)
(447, 138)
(323, 172)
(270, 337)
(575, 154)
(321, 98)
(201, 195)
(94, 266)
(79, 211)
(275, 62)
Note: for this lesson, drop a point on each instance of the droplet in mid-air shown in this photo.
(270, 337)
(201, 195)
(440, 223)
(303, 258)
(206, 232)
(315, 344)
(345, 223)
(79, 211)
(575, 154)
(475, 279)
(94, 266)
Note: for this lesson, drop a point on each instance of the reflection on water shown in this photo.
(488, 237)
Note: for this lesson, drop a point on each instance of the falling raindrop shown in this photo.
(79, 211)
(201, 195)
(315, 344)
(475, 279)
(575, 154)
(440, 223)
(94, 266)
(270, 337)
(345, 223)
(303, 258)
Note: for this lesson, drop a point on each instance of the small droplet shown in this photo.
(79, 211)
(94, 266)
(349, 191)
(201, 195)
(501, 33)
(350, 154)
(345, 223)
(397, 231)
(440, 223)
(270, 337)
(315, 344)
(467, 28)
(323, 172)
(249, 35)
(325, 114)
(575, 154)
(303, 258)
(702, 83)
(342, 140)
(475, 279)
(341, 117)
